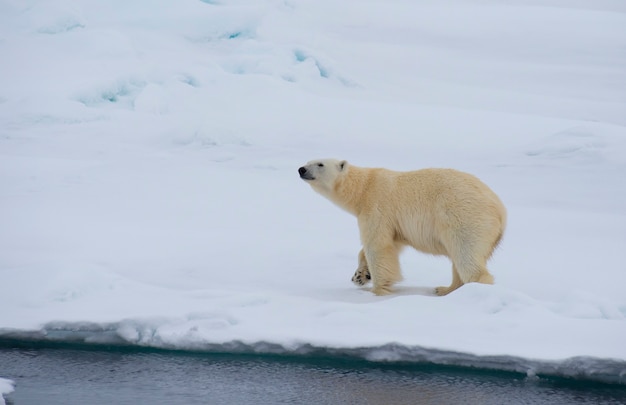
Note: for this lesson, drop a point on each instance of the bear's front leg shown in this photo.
(384, 266)
(362, 274)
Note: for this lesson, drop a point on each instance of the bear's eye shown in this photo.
(320, 165)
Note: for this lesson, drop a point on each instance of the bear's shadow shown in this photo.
(402, 291)
(365, 295)
(406, 290)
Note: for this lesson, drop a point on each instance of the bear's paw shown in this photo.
(361, 277)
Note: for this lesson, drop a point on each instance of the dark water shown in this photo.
(81, 376)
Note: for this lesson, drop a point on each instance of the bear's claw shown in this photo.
(361, 277)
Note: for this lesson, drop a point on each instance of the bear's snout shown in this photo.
(305, 174)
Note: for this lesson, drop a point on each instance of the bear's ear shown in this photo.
(342, 165)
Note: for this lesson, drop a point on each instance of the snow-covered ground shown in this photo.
(6, 387)
(149, 192)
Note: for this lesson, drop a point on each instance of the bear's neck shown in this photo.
(350, 189)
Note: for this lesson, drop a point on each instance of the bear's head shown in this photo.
(322, 174)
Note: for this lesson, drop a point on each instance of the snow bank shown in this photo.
(480, 326)
(6, 387)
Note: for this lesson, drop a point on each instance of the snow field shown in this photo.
(149, 193)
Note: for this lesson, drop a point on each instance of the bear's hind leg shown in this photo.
(485, 277)
(384, 267)
(468, 266)
(362, 274)
(456, 283)
(473, 272)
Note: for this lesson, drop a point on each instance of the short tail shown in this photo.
(496, 243)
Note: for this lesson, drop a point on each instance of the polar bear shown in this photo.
(437, 211)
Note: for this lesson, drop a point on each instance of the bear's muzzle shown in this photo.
(305, 174)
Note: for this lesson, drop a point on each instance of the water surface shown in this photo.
(69, 375)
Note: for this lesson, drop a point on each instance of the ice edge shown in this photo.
(581, 368)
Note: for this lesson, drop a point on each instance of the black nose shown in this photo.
(302, 170)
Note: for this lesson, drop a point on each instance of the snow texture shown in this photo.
(149, 193)
(6, 387)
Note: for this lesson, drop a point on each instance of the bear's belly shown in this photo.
(428, 245)
(434, 248)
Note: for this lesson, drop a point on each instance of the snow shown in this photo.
(6, 387)
(149, 190)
